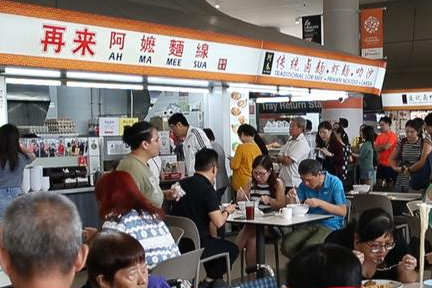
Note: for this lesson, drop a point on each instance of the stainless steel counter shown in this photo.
(74, 190)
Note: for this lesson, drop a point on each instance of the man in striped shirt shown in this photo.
(194, 139)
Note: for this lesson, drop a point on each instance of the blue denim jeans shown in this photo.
(7, 194)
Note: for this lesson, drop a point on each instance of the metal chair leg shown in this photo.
(242, 264)
(276, 250)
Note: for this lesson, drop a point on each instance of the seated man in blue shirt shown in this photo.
(324, 194)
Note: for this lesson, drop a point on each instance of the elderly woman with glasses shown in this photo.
(382, 250)
(266, 188)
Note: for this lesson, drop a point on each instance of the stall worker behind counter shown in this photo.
(194, 139)
(324, 194)
(143, 139)
(378, 246)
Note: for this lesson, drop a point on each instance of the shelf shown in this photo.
(275, 133)
(58, 135)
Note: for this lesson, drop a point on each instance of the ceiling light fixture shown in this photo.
(177, 89)
(297, 20)
(175, 81)
(83, 84)
(32, 72)
(272, 99)
(38, 82)
(217, 4)
(253, 87)
(104, 76)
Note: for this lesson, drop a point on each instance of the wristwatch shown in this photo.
(226, 212)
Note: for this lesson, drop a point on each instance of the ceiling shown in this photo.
(407, 31)
(278, 14)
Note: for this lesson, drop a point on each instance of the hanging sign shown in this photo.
(311, 28)
(371, 33)
(407, 99)
(301, 107)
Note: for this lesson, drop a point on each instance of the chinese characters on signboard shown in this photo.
(74, 41)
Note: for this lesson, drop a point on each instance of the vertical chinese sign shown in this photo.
(311, 29)
(371, 32)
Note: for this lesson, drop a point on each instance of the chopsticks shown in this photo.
(244, 193)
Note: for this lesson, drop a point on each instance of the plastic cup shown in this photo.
(242, 205)
(250, 210)
(286, 212)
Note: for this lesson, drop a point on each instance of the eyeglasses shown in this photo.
(375, 248)
(260, 173)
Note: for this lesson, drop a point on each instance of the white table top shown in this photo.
(395, 196)
(275, 220)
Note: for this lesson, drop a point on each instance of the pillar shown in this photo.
(341, 33)
(341, 25)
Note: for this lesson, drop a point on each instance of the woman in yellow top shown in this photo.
(241, 164)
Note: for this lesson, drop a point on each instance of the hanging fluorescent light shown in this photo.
(321, 95)
(104, 76)
(174, 81)
(272, 99)
(177, 89)
(27, 81)
(32, 72)
(104, 85)
(254, 88)
(292, 90)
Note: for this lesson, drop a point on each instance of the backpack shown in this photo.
(422, 178)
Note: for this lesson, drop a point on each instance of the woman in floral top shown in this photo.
(122, 207)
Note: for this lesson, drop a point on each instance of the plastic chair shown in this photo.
(185, 267)
(176, 233)
(413, 207)
(191, 232)
(363, 202)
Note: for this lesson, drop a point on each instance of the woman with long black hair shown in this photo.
(13, 159)
(330, 150)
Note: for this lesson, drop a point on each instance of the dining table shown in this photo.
(271, 219)
(393, 196)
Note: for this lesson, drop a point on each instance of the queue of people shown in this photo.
(135, 237)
